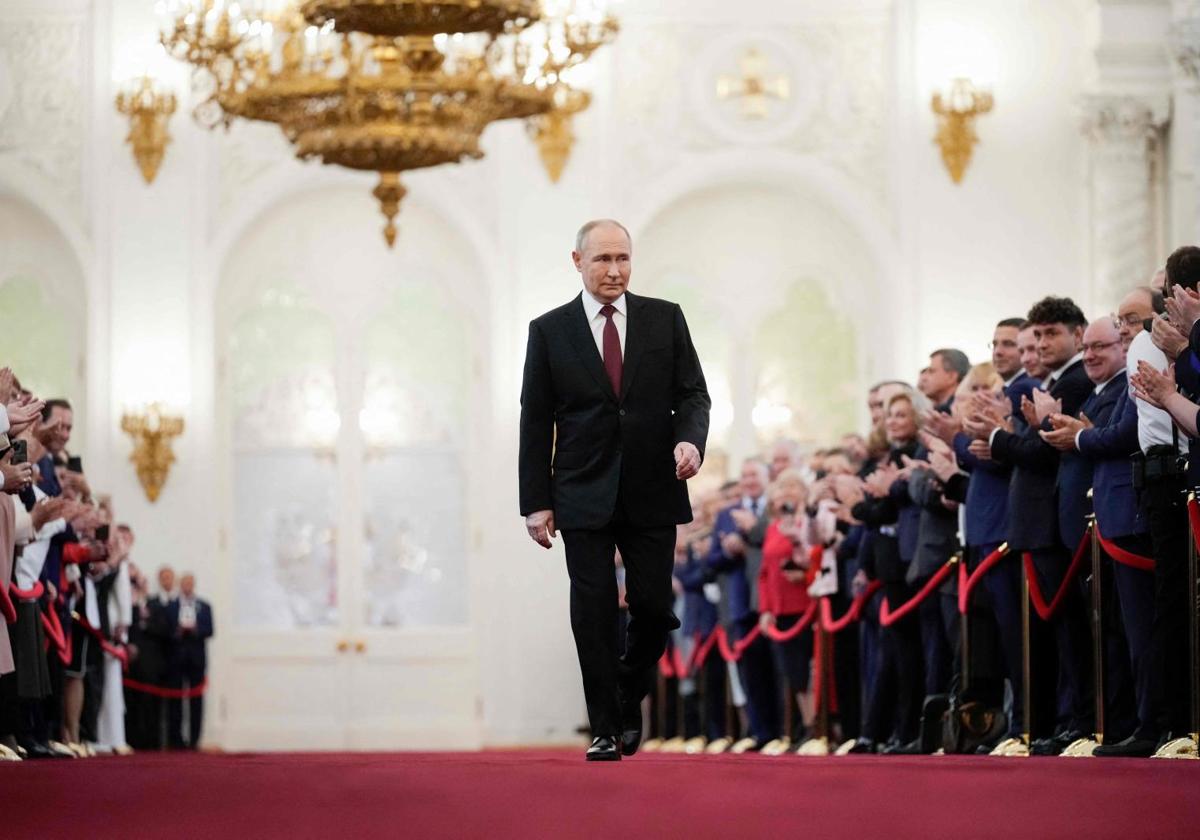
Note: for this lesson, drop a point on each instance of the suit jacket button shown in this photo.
(622, 412)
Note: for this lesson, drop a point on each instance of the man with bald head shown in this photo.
(614, 419)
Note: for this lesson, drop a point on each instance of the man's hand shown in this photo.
(1168, 338)
(1066, 428)
(766, 620)
(944, 465)
(22, 413)
(981, 449)
(1183, 307)
(46, 431)
(47, 510)
(540, 525)
(942, 426)
(743, 519)
(6, 383)
(77, 484)
(1044, 405)
(1152, 385)
(16, 476)
(687, 460)
(733, 545)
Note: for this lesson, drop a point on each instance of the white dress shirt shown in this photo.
(1154, 424)
(591, 309)
(3, 419)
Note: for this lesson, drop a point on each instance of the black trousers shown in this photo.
(1135, 596)
(185, 678)
(899, 675)
(1166, 514)
(1072, 641)
(648, 555)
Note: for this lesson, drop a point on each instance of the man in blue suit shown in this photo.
(735, 561)
(191, 622)
(1058, 324)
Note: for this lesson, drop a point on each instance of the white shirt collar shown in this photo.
(592, 307)
(1054, 374)
(1104, 384)
(1008, 382)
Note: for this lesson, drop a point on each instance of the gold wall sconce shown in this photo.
(152, 432)
(148, 108)
(956, 112)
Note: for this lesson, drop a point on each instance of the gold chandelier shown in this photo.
(392, 93)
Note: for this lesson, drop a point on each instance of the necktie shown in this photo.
(612, 349)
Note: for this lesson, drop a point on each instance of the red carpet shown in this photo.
(555, 794)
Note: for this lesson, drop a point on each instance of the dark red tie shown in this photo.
(612, 349)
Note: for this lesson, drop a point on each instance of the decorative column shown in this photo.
(1185, 151)
(1125, 194)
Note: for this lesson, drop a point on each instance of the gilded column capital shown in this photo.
(1119, 119)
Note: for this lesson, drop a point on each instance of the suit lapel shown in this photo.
(580, 335)
(636, 333)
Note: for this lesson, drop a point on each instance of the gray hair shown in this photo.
(582, 235)
(955, 360)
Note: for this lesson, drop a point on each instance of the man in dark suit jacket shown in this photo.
(191, 623)
(1033, 509)
(614, 419)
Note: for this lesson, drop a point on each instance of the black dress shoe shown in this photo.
(1131, 747)
(603, 748)
(897, 748)
(631, 723)
(862, 746)
(35, 750)
(1057, 743)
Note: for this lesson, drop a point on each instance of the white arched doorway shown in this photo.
(346, 378)
(782, 293)
(44, 339)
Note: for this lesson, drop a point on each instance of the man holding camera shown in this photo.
(614, 418)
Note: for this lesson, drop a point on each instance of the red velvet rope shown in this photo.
(7, 609)
(167, 693)
(108, 647)
(1193, 508)
(700, 654)
(31, 594)
(734, 653)
(806, 618)
(58, 638)
(888, 617)
(853, 613)
(966, 583)
(1045, 610)
(1137, 561)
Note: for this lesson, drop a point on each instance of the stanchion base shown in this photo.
(718, 746)
(1011, 747)
(845, 748)
(814, 746)
(653, 745)
(1179, 748)
(695, 746)
(744, 746)
(777, 747)
(672, 745)
(1083, 748)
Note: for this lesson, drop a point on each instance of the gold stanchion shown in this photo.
(1086, 747)
(1190, 747)
(1021, 746)
(964, 635)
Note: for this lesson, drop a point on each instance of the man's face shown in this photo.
(62, 434)
(166, 579)
(1103, 352)
(605, 263)
(187, 586)
(1133, 311)
(781, 459)
(1056, 343)
(875, 406)
(1006, 352)
(752, 480)
(1030, 360)
(925, 381)
(941, 381)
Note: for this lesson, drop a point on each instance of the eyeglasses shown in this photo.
(1097, 346)
(1130, 320)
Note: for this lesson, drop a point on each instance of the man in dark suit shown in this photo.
(191, 622)
(1058, 325)
(614, 419)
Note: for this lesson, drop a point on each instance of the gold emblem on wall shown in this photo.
(148, 108)
(754, 88)
(956, 112)
(152, 432)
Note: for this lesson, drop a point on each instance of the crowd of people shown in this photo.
(996, 467)
(91, 661)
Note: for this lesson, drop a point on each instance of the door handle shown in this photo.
(343, 646)
(360, 646)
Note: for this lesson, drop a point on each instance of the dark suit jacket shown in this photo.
(738, 598)
(1111, 448)
(190, 648)
(1075, 471)
(582, 446)
(1032, 506)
